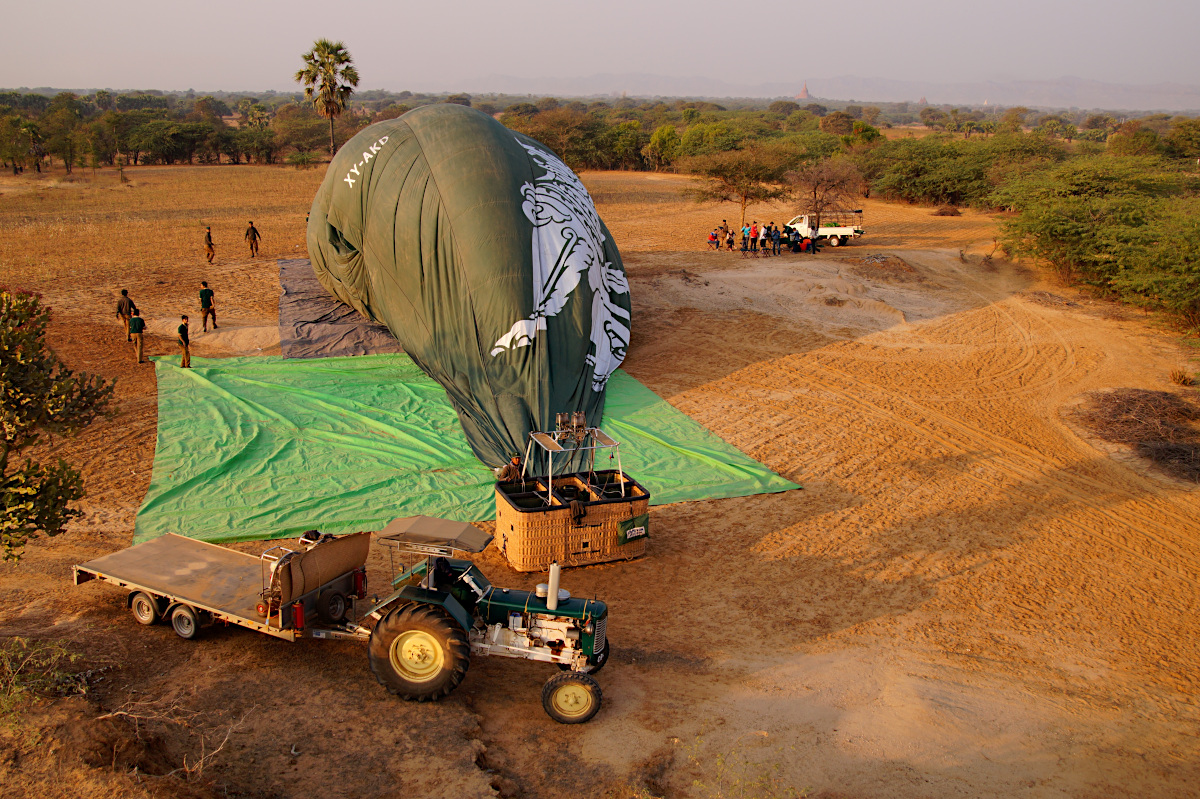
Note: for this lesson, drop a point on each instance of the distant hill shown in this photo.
(1065, 92)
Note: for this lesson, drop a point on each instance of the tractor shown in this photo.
(444, 611)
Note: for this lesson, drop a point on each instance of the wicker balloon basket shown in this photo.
(577, 520)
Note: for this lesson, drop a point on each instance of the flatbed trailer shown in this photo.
(174, 576)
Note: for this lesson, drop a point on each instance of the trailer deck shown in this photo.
(226, 584)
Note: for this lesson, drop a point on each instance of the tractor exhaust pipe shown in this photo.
(552, 593)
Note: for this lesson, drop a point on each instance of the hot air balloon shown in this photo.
(483, 253)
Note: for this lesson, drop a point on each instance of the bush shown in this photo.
(947, 210)
(303, 159)
(32, 669)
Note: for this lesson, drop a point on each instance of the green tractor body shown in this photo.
(444, 610)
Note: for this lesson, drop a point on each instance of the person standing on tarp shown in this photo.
(209, 252)
(185, 359)
(125, 310)
(207, 306)
(137, 326)
(252, 238)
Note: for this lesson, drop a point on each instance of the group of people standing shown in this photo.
(759, 239)
(135, 326)
(252, 237)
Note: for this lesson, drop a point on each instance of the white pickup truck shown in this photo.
(837, 227)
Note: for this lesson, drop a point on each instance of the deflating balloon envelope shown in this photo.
(484, 255)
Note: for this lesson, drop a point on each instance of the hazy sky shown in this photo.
(441, 45)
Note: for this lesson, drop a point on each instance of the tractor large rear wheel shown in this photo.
(419, 652)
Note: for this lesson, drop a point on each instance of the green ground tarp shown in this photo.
(263, 447)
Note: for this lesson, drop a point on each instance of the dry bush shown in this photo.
(34, 669)
(1158, 425)
(947, 210)
(1180, 377)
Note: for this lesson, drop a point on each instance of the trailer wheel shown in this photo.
(571, 697)
(591, 668)
(419, 652)
(331, 606)
(144, 608)
(185, 622)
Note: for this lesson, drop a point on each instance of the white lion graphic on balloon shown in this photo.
(568, 242)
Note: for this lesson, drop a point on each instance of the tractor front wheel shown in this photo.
(571, 697)
(419, 652)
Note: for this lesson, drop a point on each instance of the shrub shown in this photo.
(302, 159)
(31, 669)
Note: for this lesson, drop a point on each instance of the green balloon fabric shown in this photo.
(484, 255)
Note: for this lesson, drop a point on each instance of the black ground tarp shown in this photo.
(313, 324)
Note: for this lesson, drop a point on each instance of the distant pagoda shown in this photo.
(804, 95)
(922, 101)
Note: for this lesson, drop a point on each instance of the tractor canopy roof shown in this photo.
(431, 531)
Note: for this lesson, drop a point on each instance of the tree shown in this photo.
(1013, 119)
(1185, 137)
(933, 117)
(1099, 122)
(459, 99)
(663, 148)
(870, 114)
(825, 185)
(1133, 139)
(784, 107)
(38, 394)
(741, 176)
(329, 78)
(59, 125)
(838, 122)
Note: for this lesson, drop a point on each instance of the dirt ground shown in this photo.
(969, 597)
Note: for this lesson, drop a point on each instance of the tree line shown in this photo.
(1107, 201)
(106, 129)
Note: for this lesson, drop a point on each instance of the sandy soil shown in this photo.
(970, 597)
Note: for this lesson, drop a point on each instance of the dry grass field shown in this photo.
(972, 596)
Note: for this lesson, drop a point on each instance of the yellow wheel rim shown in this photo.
(572, 700)
(416, 656)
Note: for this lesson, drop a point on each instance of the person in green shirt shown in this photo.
(208, 306)
(209, 252)
(137, 326)
(185, 360)
(252, 238)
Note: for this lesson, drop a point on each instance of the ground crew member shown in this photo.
(207, 306)
(137, 325)
(185, 360)
(125, 309)
(252, 237)
(511, 470)
(209, 252)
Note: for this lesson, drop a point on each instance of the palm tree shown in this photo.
(329, 78)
